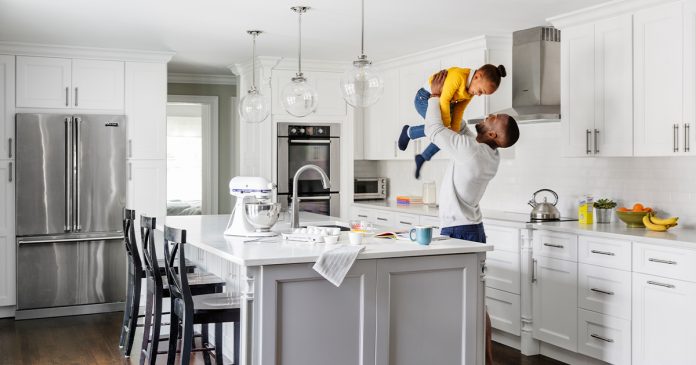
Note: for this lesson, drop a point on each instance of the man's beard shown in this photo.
(480, 128)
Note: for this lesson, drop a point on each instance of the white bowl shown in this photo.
(330, 239)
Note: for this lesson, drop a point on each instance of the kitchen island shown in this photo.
(401, 303)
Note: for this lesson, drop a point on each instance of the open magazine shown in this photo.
(404, 236)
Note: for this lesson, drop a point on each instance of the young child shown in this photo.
(461, 85)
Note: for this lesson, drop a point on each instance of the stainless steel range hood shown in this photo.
(536, 76)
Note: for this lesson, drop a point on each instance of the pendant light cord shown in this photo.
(362, 29)
(253, 63)
(299, 44)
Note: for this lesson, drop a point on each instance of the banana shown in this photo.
(652, 226)
(665, 222)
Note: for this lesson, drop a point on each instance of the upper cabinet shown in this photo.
(146, 108)
(380, 122)
(48, 82)
(7, 72)
(596, 102)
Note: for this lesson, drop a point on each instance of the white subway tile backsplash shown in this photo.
(668, 184)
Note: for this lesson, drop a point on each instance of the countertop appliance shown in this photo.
(315, 144)
(370, 188)
(70, 194)
(544, 211)
(536, 76)
(254, 214)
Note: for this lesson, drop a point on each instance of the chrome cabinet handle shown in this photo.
(362, 216)
(602, 291)
(587, 142)
(67, 91)
(675, 137)
(534, 270)
(9, 149)
(382, 219)
(553, 245)
(603, 253)
(601, 338)
(9, 171)
(668, 262)
(406, 223)
(670, 286)
(76, 96)
(596, 146)
(687, 137)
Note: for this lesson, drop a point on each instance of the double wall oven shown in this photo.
(316, 144)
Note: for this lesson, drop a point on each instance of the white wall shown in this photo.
(668, 184)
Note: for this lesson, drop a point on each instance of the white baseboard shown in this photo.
(506, 339)
(569, 357)
(7, 312)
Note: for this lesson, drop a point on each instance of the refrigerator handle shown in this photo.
(68, 174)
(76, 181)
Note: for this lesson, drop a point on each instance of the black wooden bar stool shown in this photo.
(187, 309)
(134, 282)
(158, 288)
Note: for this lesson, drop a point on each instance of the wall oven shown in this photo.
(302, 144)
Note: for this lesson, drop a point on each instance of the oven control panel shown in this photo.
(309, 131)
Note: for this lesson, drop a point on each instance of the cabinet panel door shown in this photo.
(7, 92)
(613, 81)
(604, 290)
(7, 237)
(689, 126)
(578, 89)
(307, 320)
(504, 310)
(146, 109)
(663, 320)
(328, 86)
(381, 126)
(425, 313)
(411, 79)
(604, 337)
(554, 302)
(615, 254)
(503, 238)
(147, 187)
(668, 262)
(503, 270)
(97, 84)
(658, 79)
(556, 245)
(43, 82)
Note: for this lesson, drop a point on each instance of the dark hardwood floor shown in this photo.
(93, 339)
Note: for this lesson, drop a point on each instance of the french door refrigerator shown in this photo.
(71, 190)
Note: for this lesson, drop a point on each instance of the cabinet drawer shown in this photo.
(605, 252)
(361, 214)
(604, 337)
(426, 220)
(663, 261)
(503, 238)
(404, 220)
(504, 310)
(604, 290)
(384, 218)
(556, 245)
(503, 270)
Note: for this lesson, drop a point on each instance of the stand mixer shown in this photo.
(253, 214)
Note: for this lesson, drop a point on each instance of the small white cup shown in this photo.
(355, 238)
(330, 239)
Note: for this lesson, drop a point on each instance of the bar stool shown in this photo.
(134, 282)
(187, 310)
(158, 288)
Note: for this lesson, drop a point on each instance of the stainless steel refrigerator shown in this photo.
(71, 189)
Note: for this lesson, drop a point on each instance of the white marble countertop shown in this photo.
(206, 233)
(678, 236)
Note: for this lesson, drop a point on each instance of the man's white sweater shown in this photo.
(472, 165)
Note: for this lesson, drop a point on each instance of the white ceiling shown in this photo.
(208, 35)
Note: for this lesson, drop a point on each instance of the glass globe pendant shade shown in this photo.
(299, 98)
(254, 107)
(361, 85)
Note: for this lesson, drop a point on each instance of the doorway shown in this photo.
(192, 155)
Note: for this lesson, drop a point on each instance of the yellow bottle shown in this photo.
(585, 210)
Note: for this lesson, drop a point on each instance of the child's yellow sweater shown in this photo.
(454, 92)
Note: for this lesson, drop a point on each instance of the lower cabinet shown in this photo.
(504, 310)
(555, 301)
(604, 337)
(663, 320)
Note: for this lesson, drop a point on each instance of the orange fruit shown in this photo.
(638, 207)
(647, 209)
(623, 209)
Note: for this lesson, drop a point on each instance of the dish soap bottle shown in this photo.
(585, 211)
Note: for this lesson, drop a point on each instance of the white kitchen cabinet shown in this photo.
(605, 252)
(146, 109)
(504, 310)
(7, 92)
(406, 220)
(596, 109)
(381, 124)
(659, 80)
(557, 245)
(664, 261)
(554, 298)
(147, 187)
(44, 82)
(7, 238)
(663, 320)
(503, 270)
(49, 82)
(604, 290)
(604, 337)
(97, 84)
(431, 222)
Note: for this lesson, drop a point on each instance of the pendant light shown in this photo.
(254, 107)
(299, 97)
(361, 85)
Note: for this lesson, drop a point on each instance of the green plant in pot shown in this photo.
(603, 209)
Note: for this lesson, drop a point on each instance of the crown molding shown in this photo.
(262, 62)
(602, 11)
(184, 78)
(49, 50)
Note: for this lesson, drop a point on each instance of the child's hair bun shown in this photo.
(501, 71)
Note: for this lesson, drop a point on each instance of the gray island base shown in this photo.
(401, 303)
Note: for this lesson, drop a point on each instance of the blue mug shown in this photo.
(424, 235)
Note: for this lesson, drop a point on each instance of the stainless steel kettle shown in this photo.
(544, 211)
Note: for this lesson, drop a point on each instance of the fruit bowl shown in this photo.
(632, 219)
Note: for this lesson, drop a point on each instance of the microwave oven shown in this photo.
(370, 188)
